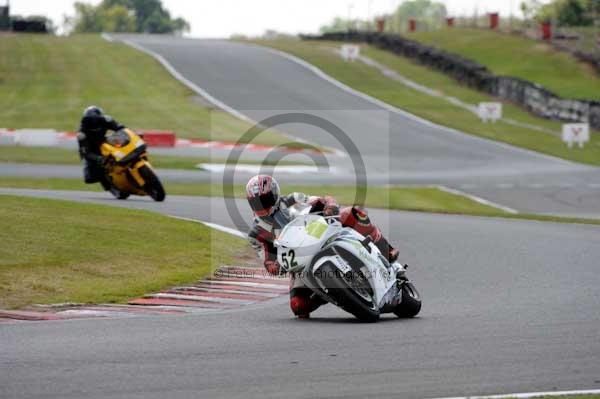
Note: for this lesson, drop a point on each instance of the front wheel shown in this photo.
(411, 302)
(347, 294)
(121, 195)
(153, 186)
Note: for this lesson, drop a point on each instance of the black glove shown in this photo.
(101, 161)
(331, 209)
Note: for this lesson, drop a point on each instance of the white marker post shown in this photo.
(350, 52)
(490, 111)
(576, 133)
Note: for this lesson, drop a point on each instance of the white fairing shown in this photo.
(308, 234)
(378, 274)
(301, 239)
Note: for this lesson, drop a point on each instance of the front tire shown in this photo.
(345, 296)
(411, 302)
(120, 195)
(153, 186)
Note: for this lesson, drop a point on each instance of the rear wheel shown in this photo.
(350, 291)
(153, 186)
(411, 302)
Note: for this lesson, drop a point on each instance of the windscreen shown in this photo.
(118, 139)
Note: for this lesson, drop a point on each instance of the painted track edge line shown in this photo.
(215, 226)
(186, 82)
(477, 199)
(530, 394)
(317, 71)
(203, 93)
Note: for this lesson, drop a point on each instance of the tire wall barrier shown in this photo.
(529, 95)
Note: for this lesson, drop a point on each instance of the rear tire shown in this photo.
(153, 186)
(411, 302)
(345, 296)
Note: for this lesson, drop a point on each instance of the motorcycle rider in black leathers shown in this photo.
(90, 136)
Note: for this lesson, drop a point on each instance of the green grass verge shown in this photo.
(518, 56)
(370, 81)
(62, 156)
(46, 82)
(419, 199)
(60, 251)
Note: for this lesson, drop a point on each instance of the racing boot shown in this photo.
(386, 249)
(303, 302)
(105, 183)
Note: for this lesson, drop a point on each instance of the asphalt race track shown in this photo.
(509, 306)
(395, 147)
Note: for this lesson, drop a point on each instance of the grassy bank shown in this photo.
(61, 156)
(419, 199)
(60, 251)
(370, 81)
(46, 82)
(518, 56)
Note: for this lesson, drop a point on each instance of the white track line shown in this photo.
(476, 199)
(215, 226)
(182, 79)
(203, 93)
(531, 394)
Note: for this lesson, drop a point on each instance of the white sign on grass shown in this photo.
(576, 133)
(350, 52)
(490, 111)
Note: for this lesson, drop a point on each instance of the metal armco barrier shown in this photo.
(529, 95)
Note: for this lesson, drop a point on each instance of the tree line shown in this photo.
(135, 16)
(563, 12)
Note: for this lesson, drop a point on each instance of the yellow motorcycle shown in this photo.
(127, 168)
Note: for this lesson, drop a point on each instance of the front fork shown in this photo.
(135, 171)
(399, 271)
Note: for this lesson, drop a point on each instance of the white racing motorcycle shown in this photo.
(345, 268)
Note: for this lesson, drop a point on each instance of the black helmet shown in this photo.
(92, 110)
(93, 119)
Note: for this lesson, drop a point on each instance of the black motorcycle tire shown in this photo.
(120, 195)
(153, 186)
(411, 302)
(346, 298)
